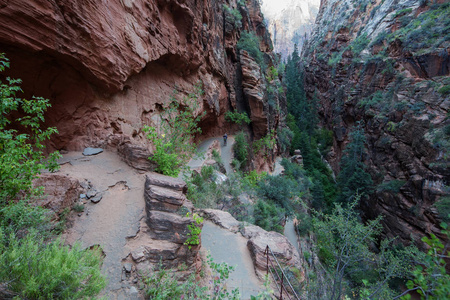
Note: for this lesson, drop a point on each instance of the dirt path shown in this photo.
(116, 217)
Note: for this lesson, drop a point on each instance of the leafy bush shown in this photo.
(304, 223)
(173, 139)
(233, 15)
(237, 117)
(250, 43)
(33, 269)
(194, 230)
(272, 73)
(265, 144)
(443, 208)
(164, 284)
(285, 136)
(445, 90)
(359, 44)
(269, 216)
(18, 218)
(240, 148)
(279, 189)
(392, 186)
(21, 154)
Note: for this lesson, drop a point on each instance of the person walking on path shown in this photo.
(225, 136)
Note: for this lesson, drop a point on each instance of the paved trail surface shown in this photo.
(116, 217)
(231, 248)
(226, 152)
(224, 245)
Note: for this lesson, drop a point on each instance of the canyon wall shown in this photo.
(386, 65)
(110, 67)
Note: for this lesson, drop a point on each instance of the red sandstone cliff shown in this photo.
(109, 67)
(387, 64)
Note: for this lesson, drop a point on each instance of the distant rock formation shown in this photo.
(289, 22)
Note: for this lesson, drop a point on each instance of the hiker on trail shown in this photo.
(225, 136)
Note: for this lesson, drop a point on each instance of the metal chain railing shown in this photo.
(282, 282)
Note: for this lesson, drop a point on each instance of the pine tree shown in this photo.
(353, 178)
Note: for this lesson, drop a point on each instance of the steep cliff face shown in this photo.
(110, 68)
(290, 22)
(387, 64)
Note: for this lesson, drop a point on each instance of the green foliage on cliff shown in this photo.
(344, 245)
(250, 43)
(312, 141)
(34, 269)
(236, 117)
(233, 16)
(429, 30)
(353, 178)
(173, 138)
(21, 153)
(32, 266)
(241, 149)
(430, 279)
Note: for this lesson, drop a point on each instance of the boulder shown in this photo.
(136, 156)
(60, 191)
(92, 151)
(284, 251)
(222, 218)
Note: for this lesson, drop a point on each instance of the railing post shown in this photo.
(281, 290)
(267, 259)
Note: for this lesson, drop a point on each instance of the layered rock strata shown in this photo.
(168, 226)
(367, 62)
(109, 69)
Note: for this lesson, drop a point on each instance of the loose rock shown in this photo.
(92, 151)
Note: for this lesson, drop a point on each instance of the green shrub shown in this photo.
(33, 269)
(359, 44)
(18, 218)
(443, 208)
(445, 90)
(173, 140)
(304, 223)
(285, 136)
(233, 15)
(240, 148)
(194, 230)
(269, 216)
(237, 117)
(163, 284)
(392, 186)
(265, 144)
(21, 154)
(335, 58)
(272, 73)
(252, 178)
(279, 189)
(250, 43)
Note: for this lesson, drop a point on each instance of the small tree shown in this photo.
(21, 153)
(173, 139)
(353, 178)
(344, 243)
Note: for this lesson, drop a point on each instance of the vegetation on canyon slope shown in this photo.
(32, 264)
